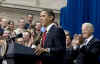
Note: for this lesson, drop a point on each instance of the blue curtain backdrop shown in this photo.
(79, 11)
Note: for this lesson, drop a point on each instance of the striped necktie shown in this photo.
(43, 38)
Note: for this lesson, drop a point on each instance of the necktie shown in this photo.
(42, 45)
(43, 39)
(85, 42)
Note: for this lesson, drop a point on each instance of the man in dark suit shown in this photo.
(89, 51)
(53, 44)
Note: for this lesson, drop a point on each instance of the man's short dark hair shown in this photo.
(50, 13)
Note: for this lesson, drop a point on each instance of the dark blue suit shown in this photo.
(55, 40)
(89, 53)
(70, 55)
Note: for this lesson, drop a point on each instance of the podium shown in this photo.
(19, 54)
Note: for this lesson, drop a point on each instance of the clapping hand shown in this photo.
(78, 40)
(40, 50)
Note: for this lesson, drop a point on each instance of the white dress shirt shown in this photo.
(49, 27)
(88, 39)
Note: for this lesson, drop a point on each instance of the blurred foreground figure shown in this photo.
(13, 53)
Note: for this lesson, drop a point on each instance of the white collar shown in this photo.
(49, 26)
(88, 39)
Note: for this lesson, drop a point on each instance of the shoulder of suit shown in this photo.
(57, 29)
(95, 41)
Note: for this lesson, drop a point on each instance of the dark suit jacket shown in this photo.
(70, 56)
(89, 54)
(55, 40)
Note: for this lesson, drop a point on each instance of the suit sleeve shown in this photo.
(59, 41)
(94, 50)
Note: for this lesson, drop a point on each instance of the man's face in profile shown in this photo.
(86, 32)
(44, 18)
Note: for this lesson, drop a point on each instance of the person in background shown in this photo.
(37, 33)
(20, 41)
(77, 40)
(11, 28)
(3, 45)
(6, 34)
(29, 21)
(20, 29)
(68, 41)
(4, 23)
(28, 39)
(69, 56)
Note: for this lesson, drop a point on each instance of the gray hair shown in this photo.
(89, 26)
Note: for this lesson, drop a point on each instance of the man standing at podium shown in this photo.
(53, 40)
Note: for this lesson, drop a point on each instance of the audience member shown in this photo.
(28, 39)
(20, 41)
(20, 28)
(37, 33)
(4, 23)
(29, 21)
